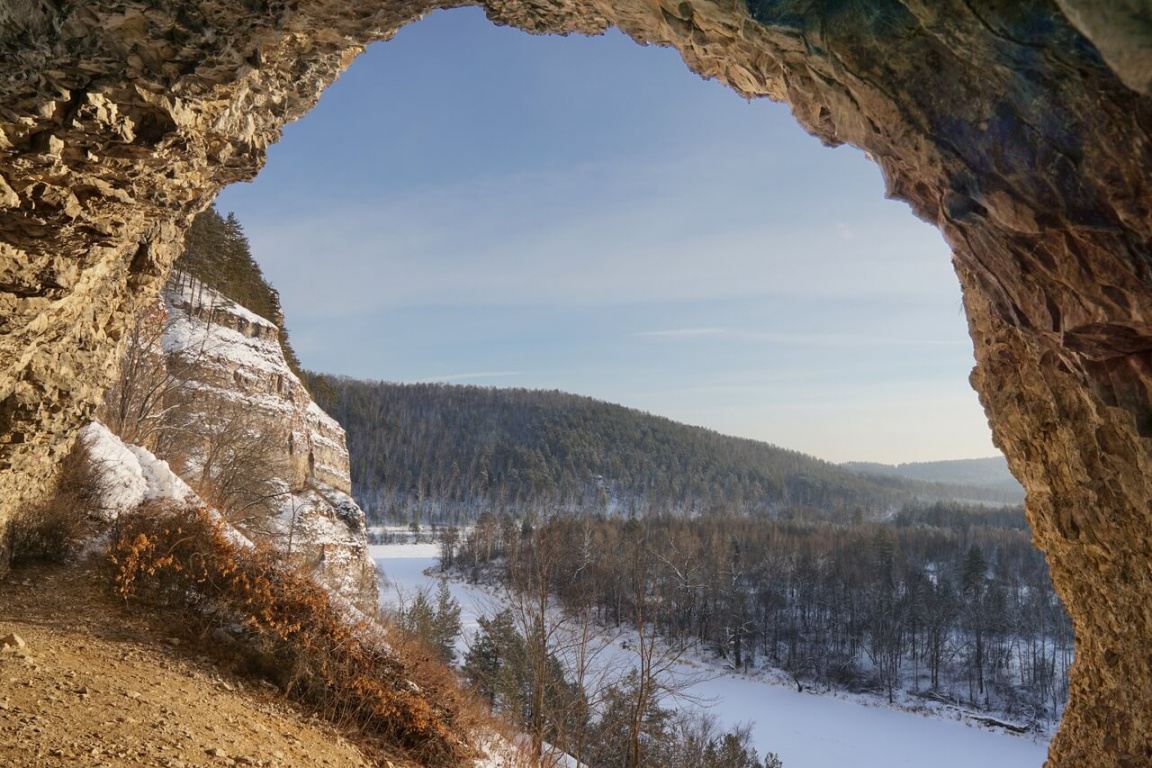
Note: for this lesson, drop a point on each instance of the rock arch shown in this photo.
(1021, 129)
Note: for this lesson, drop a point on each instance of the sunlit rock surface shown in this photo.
(1021, 129)
(231, 367)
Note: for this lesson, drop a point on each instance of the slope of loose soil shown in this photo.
(96, 686)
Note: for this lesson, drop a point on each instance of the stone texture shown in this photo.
(229, 361)
(1122, 31)
(1020, 129)
(12, 642)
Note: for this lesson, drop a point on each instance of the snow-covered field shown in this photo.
(805, 730)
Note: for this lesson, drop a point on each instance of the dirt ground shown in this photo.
(96, 686)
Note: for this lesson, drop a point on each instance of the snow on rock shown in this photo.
(325, 527)
(229, 359)
(193, 292)
(232, 356)
(132, 474)
(162, 481)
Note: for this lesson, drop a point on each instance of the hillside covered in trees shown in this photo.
(444, 454)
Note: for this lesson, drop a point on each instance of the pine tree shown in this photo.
(447, 623)
(217, 253)
(973, 582)
(437, 626)
(490, 664)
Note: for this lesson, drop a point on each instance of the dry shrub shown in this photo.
(53, 528)
(237, 461)
(287, 629)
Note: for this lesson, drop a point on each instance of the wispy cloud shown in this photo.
(849, 340)
(803, 339)
(480, 375)
(594, 235)
(685, 332)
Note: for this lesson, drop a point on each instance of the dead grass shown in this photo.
(268, 621)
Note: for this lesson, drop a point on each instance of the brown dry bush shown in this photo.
(53, 528)
(288, 630)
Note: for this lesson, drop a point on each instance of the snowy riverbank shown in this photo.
(806, 730)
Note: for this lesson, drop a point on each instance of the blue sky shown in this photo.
(472, 204)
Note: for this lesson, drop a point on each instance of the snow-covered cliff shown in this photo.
(230, 375)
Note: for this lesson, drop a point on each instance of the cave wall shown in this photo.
(1021, 129)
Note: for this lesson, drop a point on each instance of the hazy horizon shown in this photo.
(472, 204)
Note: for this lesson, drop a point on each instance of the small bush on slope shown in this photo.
(53, 528)
(290, 632)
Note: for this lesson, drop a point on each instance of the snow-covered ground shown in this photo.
(805, 730)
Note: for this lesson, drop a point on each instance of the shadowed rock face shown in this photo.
(1021, 129)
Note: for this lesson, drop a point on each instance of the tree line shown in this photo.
(443, 454)
(961, 612)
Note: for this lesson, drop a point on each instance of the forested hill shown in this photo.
(455, 451)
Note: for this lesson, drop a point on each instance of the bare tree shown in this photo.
(145, 401)
(657, 677)
(237, 466)
(534, 565)
(225, 450)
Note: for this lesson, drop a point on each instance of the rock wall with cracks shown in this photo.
(1021, 129)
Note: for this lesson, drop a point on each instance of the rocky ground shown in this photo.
(83, 682)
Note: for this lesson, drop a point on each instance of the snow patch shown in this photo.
(316, 412)
(132, 474)
(196, 294)
(187, 335)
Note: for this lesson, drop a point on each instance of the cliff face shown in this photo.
(233, 374)
(1021, 129)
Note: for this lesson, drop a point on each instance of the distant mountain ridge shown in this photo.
(991, 472)
(447, 452)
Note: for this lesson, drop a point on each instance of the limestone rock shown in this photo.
(1122, 31)
(229, 359)
(12, 642)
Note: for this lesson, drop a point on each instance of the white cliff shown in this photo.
(230, 374)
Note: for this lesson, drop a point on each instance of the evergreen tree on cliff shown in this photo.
(217, 252)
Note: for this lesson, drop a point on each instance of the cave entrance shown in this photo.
(648, 238)
(1020, 129)
(514, 217)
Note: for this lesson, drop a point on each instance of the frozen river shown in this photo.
(805, 730)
